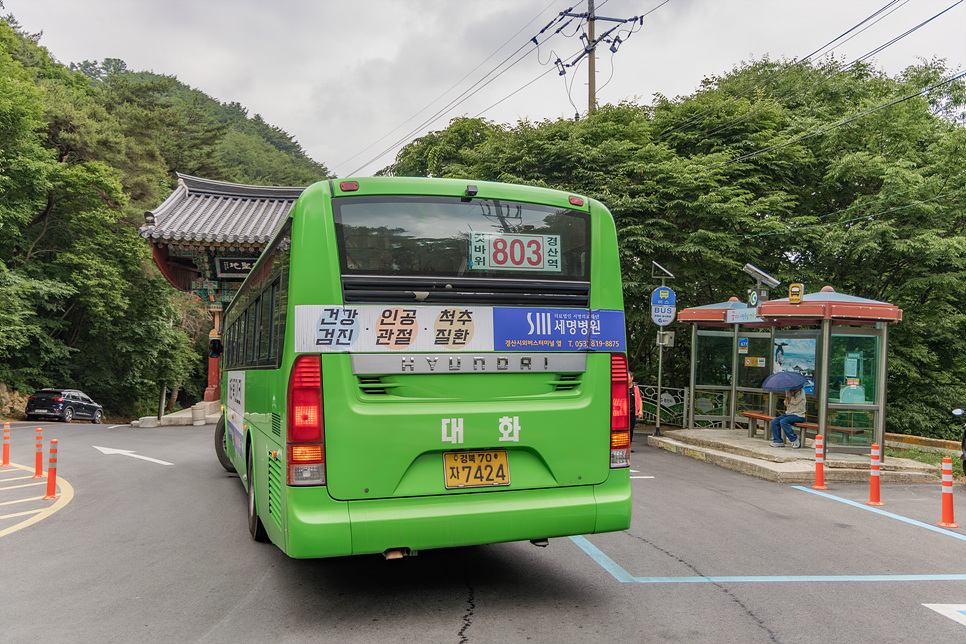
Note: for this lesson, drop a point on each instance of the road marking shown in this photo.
(66, 495)
(20, 514)
(955, 612)
(17, 487)
(31, 498)
(920, 524)
(127, 452)
(642, 477)
(17, 478)
(625, 577)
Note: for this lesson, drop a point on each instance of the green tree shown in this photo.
(795, 167)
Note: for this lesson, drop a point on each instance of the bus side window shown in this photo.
(242, 337)
(271, 321)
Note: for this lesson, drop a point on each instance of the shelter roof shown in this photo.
(814, 307)
(829, 305)
(203, 210)
(721, 314)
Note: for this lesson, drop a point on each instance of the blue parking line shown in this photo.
(870, 508)
(605, 562)
(625, 577)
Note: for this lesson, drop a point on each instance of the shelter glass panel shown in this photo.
(752, 401)
(714, 360)
(711, 407)
(853, 367)
(796, 351)
(753, 354)
(852, 427)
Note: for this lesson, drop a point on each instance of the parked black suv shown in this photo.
(66, 404)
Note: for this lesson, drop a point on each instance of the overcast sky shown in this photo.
(354, 80)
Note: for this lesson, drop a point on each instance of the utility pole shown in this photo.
(590, 47)
(591, 61)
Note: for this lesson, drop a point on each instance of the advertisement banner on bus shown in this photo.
(375, 328)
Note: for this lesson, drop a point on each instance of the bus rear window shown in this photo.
(431, 237)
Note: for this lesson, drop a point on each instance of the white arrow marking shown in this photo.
(955, 612)
(127, 452)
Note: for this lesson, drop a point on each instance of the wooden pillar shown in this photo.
(213, 391)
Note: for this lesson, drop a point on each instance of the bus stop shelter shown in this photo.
(838, 342)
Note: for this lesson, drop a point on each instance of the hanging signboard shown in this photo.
(234, 268)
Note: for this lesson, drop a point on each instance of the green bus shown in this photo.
(420, 363)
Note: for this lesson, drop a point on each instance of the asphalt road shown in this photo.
(158, 551)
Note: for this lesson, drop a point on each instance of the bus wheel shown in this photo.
(254, 523)
(221, 446)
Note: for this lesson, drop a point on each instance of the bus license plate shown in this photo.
(476, 469)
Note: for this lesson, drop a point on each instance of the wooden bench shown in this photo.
(808, 429)
(754, 417)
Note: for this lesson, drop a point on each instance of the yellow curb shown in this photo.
(66, 495)
(922, 441)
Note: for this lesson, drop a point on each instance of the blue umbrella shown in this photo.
(784, 381)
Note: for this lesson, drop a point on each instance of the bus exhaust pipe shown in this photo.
(399, 553)
(540, 543)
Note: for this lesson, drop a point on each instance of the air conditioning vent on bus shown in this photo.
(372, 385)
(567, 382)
(275, 489)
(465, 291)
(277, 425)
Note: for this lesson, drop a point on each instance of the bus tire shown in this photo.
(255, 526)
(221, 446)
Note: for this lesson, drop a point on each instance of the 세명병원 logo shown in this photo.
(539, 323)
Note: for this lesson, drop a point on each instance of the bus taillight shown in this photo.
(306, 433)
(620, 428)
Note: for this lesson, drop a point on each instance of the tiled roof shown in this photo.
(202, 210)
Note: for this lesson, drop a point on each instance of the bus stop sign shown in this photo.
(663, 306)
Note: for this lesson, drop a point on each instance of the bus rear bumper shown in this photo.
(321, 527)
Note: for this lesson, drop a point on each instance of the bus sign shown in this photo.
(663, 306)
(506, 251)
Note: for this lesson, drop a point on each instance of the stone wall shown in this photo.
(12, 403)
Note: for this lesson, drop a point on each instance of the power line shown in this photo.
(479, 85)
(838, 124)
(455, 102)
(520, 89)
(862, 58)
(857, 204)
(768, 79)
(448, 91)
(871, 217)
(590, 47)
